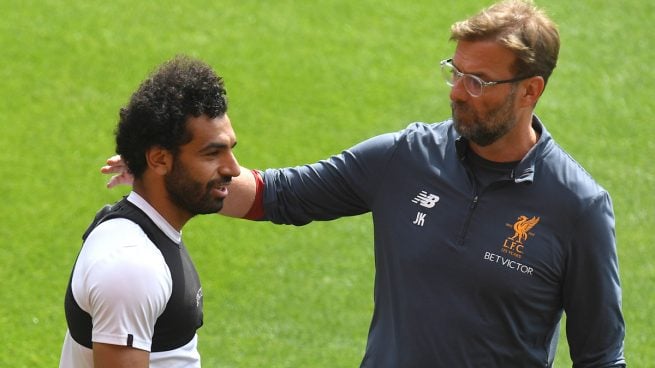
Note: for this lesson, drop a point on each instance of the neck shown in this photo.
(511, 147)
(159, 200)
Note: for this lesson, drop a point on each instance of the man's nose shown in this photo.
(458, 91)
(230, 167)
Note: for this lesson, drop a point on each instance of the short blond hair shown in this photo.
(521, 27)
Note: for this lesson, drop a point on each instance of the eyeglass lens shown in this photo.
(452, 75)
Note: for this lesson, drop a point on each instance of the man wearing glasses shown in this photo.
(486, 231)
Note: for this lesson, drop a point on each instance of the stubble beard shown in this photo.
(486, 130)
(190, 195)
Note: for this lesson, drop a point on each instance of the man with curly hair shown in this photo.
(134, 297)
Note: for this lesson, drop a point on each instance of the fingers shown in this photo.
(109, 169)
(115, 160)
(112, 182)
(122, 179)
(115, 165)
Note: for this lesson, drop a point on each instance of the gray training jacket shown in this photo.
(470, 276)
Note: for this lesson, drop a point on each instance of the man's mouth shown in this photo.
(220, 190)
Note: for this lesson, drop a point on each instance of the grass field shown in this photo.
(305, 80)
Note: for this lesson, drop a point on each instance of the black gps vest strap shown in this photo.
(183, 315)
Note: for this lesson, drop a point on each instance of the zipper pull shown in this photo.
(475, 202)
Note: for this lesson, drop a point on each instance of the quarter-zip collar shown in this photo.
(525, 170)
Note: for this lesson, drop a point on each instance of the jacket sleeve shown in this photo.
(591, 292)
(342, 185)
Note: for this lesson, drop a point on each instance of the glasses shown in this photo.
(473, 84)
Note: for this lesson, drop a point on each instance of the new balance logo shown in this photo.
(426, 200)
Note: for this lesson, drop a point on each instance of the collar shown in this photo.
(525, 170)
(157, 218)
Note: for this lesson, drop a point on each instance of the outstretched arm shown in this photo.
(242, 190)
(241, 194)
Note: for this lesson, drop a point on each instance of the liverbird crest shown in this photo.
(522, 226)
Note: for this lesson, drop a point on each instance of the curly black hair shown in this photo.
(158, 111)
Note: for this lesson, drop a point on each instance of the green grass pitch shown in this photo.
(305, 80)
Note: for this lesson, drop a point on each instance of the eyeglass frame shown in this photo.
(459, 75)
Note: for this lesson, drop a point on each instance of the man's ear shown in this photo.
(159, 159)
(533, 88)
